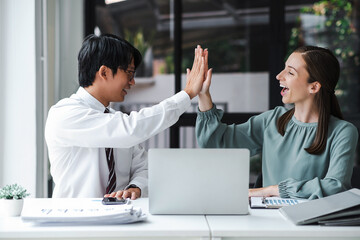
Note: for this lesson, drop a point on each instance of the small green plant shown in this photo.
(13, 191)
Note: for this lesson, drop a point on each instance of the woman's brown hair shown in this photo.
(323, 67)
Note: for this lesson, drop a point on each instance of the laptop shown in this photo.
(198, 181)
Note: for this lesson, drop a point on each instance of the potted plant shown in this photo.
(11, 199)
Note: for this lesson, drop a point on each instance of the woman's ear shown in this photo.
(315, 87)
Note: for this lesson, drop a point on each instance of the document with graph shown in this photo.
(273, 202)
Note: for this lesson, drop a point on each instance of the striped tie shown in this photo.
(111, 184)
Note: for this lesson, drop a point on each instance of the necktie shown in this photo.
(111, 184)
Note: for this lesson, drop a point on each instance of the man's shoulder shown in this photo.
(69, 103)
(66, 110)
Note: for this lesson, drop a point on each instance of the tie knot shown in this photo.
(106, 110)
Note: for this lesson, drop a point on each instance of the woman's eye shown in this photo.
(291, 73)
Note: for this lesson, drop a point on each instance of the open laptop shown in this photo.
(198, 181)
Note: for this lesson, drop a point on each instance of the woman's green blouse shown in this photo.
(284, 159)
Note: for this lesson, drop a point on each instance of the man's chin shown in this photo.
(119, 99)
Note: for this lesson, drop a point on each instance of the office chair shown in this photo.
(355, 177)
(258, 183)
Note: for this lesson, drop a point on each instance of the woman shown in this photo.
(307, 151)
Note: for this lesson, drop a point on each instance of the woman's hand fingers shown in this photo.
(206, 56)
(206, 85)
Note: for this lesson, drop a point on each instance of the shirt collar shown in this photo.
(89, 99)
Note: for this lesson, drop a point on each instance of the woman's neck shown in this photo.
(306, 113)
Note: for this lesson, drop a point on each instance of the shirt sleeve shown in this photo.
(82, 126)
(139, 170)
(338, 176)
(212, 133)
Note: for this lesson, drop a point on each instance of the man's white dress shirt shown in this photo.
(77, 132)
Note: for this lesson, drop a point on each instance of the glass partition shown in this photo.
(148, 26)
(234, 33)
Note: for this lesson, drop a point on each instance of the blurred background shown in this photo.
(248, 41)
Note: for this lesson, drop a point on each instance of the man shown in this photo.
(93, 149)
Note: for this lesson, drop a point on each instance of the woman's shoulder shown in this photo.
(270, 117)
(280, 110)
(341, 127)
(274, 113)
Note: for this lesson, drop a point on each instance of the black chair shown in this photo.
(259, 181)
(355, 177)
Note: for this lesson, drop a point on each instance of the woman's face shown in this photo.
(294, 80)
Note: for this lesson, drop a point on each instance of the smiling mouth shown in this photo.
(284, 90)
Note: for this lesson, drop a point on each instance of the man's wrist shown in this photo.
(135, 190)
(189, 93)
(131, 186)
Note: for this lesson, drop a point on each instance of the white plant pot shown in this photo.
(11, 207)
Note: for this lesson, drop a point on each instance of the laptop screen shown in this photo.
(198, 181)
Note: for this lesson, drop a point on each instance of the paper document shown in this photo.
(81, 211)
(273, 202)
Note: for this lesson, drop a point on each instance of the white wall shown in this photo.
(2, 90)
(243, 92)
(70, 38)
(18, 100)
(18, 130)
(65, 24)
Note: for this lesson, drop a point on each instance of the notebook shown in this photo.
(341, 208)
(198, 181)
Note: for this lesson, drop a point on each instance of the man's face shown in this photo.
(122, 81)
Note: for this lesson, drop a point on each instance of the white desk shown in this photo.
(259, 224)
(156, 227)
(270, 224)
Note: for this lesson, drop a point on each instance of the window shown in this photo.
(234, 33)
(334, 25)
(248, 43)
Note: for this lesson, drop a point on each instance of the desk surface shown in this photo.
(259, 224)
(269, 223)
(169, 226)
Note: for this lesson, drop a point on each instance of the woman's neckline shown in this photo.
(297, 122)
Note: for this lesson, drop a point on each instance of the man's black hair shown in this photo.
(106, 49)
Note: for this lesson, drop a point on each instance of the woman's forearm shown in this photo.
(205, 102)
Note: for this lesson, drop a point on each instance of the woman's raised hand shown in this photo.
(205, 101)
(208, 73)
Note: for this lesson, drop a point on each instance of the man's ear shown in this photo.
(103, 72)
(315, 87)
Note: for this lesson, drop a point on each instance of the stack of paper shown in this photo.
(81, 211)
